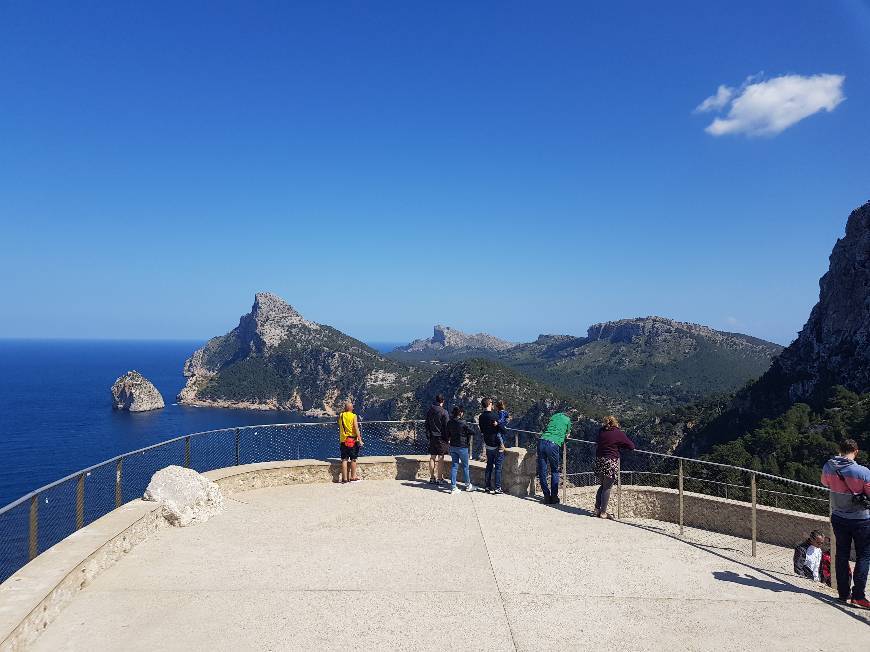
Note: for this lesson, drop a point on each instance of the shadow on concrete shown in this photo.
(706, 546)
(775, 586)
(568, 509)
(772, 583)
(424, 484)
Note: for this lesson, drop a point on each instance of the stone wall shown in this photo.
(33, 596)
(517, 472)
(780, 527)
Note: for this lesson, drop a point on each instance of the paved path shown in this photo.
(397, 565)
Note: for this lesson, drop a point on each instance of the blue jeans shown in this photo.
(458, 455)
(494, 460)
(548, 456)
(848, 530)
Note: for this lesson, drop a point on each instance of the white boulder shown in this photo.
(187, 496)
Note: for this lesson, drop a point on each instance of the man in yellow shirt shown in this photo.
(349, 441)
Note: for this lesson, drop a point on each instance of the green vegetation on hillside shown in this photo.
(530, 402)
(797, 443)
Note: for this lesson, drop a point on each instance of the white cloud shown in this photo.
(732, 321)
(766, 108)
(715, 102)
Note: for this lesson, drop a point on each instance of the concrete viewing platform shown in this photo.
(401, 565)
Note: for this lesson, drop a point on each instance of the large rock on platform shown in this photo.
(135, 393)
(187, 496)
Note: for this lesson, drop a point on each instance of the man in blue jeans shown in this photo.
(549, 454)
(848, 481)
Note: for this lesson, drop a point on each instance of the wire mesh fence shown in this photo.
(719, 507)
(726, 509)
(44, 517)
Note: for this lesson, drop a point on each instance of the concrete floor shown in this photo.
(398, 565)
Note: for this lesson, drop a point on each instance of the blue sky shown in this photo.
(516, 168)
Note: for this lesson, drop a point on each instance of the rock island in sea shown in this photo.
(135, 393)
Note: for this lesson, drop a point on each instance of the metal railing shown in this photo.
(775, 506)
(40, 519)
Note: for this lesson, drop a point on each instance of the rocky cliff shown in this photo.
(671, 336)
(276, 359)
(832, 349)
(632, 365)
(135, 393)
(446, 340)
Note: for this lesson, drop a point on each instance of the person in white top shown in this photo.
(808, 556)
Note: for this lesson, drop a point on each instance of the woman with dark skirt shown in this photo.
(611, 442)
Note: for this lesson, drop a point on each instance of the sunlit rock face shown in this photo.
(135, 393)
(275, 359)
(834, 346)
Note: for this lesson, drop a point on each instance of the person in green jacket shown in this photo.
(549, 454)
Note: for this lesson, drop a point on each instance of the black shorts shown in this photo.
(349, 452)
(438, 446)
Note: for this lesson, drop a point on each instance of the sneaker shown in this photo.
(442, 482)
(554, 500)
(432, 480)
(469, 487)
(497, 490)
(455, 490)
(546, 500)
(861, 603)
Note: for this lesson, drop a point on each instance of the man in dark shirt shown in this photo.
(489, 424)
(493, 431)
(439, 446)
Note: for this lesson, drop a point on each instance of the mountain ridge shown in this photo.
(277, 359)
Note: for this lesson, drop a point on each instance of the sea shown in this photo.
(56, 414)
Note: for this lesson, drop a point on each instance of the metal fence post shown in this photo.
(565, 470)
(833, 538)
(80, 502)
(118, 493)
(238, 447)
(681, 496)
(754, 516)
(619, 493)
(187, 452)
(33, 543)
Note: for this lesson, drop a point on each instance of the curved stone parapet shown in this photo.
(779, 527)
(32, 597)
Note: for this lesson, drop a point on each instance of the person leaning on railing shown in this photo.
(549, 451)
(609, 447)
(849, 484)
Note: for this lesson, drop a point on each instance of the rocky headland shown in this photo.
(135, 393)
(446, 338)
(275, 359)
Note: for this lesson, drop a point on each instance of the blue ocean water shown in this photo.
(56, 415)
